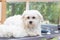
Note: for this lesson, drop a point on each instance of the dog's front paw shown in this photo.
(33, 34)
(39, 34)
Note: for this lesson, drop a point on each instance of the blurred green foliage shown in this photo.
(15, 8)
(49, 10)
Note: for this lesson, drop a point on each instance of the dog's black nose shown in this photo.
(30, 22)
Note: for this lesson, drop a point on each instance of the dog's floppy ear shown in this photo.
(23, 15)
(40, 16)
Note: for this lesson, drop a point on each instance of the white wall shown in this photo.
(0, 11)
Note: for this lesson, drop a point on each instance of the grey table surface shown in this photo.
(50, 36)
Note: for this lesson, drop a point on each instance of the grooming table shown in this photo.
(45, 37)
(24, 38)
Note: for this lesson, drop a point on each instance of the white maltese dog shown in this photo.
(28, 24)
(32, 22)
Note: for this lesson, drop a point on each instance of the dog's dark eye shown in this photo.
(33, 17)
(28, 17)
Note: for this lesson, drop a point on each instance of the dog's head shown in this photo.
(32, 18)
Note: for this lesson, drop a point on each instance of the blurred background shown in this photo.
(49, 10)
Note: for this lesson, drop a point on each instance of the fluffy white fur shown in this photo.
(36, 18)
(19, 26)
(13, 20)
(11, 30)
(13, 26)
